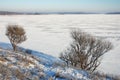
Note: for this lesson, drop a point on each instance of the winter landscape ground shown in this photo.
(50, 34)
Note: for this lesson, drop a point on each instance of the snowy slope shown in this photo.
(36, 66)
(33, 65)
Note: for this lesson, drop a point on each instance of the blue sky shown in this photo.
(60, 5)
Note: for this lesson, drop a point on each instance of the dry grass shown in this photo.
(51, 78)
(2, 59)
(19, 74)
(101, 76)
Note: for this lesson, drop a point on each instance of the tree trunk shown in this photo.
(14, 47)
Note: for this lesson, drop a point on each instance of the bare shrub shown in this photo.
(85, 51)
(16, 35)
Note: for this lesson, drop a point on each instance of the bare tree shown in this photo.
(16, 35)
(85, 51)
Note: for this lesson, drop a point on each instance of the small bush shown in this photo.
(16, 35)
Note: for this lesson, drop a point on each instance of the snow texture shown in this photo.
(50, 34)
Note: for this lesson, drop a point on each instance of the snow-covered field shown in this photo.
(50, 33)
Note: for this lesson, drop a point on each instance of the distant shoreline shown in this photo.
(48, 13)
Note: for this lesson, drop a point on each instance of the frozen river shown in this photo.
(50, 33)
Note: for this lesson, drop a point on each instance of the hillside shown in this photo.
(33, 65)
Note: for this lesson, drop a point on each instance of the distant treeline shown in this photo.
(114, 13)
(39, 13)
(9, 13)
